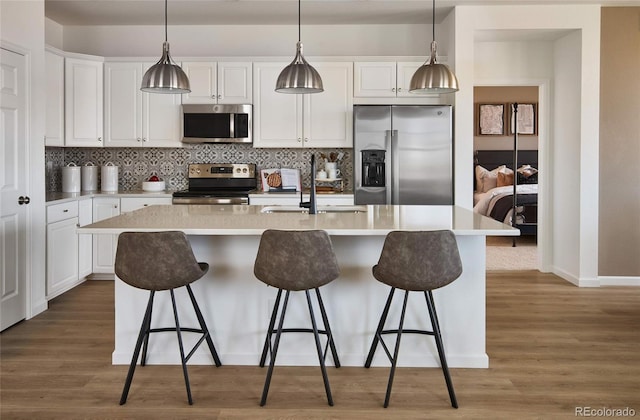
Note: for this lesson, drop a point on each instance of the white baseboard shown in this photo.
(584, 282)
(619, 281)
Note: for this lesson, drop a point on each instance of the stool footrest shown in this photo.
(424, 332)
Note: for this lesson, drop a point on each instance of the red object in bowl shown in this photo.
(154, 178)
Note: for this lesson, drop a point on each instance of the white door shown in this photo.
(235, 83)
(162, 125)
(374, 79)
(202, 79)
(83, 102)
(122, 105)
(13, 188)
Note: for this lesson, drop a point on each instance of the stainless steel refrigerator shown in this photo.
(403, 154)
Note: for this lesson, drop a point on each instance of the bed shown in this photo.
(493, 187)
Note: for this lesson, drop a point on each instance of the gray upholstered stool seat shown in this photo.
(158, 261)
(296, 261)
(416, 261)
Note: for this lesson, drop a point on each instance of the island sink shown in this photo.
(320, 209)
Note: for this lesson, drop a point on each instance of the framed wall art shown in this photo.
(491, 120)
(527, 119)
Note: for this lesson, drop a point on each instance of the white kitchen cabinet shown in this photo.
(134, 118)
(294, 199)
(311, 120)
(104, 246)
(128, 204)
(62, 248)
(54, 73)
(85, 240)
(83, 102)
(219, 83)
(385, 79)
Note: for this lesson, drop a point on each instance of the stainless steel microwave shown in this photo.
(202, 123)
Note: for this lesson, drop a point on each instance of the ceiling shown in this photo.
(270, 12)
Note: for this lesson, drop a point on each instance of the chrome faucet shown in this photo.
(311, 204)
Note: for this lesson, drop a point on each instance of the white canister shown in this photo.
(71, 178)
(89, 177)
(109, 177)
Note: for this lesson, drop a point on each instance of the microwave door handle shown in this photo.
(232, 126)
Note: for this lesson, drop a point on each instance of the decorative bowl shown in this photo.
(153, 186)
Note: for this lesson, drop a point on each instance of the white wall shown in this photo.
(584, 21)
(252, 40)
(565, 170)
(22, 24)
(53, 33)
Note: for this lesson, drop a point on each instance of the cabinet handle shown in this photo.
(139, 139)
(145, 205)
(393, 89)
(115, 207)
(219, 96)
(99, 138)
(65, 211)
(144, 139)
(399, 89)
(213, 96)
(299, 139)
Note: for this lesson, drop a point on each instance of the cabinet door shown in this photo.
(277, 118)
(54, 131)
(162, 126)
(104, 246)
(62, 256)
(405, 73)
(202, 79)
(328, 116)
(83, 102)
(123, 105)
(235, 82)
(374, 79)
(85, 240)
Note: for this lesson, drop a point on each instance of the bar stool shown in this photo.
(416, 261)
(157, 261)
(296, 261)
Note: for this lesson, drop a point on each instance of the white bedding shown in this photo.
(485, 201)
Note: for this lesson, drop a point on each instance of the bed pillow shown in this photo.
(527, 171)
(505, 178)
(486, 179)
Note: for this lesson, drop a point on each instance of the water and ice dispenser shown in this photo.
(373, 168)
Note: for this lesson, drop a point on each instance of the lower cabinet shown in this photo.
(104, 246)
(62, 248)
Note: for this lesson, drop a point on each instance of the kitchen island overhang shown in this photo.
(237, 306)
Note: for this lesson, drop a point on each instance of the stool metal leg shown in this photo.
(203, 327)
(184, 362)
(272, 322)
(274, 352)
(443, 361)
(394, 361)
(134, 360)
(377, 335)
(323, 368)
(143, 362)
(327, 328)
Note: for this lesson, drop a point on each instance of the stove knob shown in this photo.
(244, 170)
(238, 170)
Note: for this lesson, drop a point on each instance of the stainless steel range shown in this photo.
(218, 183)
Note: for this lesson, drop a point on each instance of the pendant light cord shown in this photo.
(433, 26)
(165, 20)
(299, 37)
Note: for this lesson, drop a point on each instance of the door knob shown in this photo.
(23, 200)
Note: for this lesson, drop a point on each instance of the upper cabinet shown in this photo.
(134, 118)
(311, 120)
(218, 83)
(83, 102)
(54, 73)
(382, 79)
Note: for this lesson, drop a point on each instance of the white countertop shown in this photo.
(57, 197)
(251, 220)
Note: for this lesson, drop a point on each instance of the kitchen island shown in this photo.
(237, 306)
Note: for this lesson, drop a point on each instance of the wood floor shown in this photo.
(553, 347)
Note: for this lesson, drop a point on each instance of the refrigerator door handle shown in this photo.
(393, 193)
(388, 145)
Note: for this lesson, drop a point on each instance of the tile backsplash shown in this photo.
(137, 164)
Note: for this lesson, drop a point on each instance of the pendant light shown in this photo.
(299, 76)
(165, 76)
(432, 77)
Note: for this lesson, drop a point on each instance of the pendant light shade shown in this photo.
(165, 76)
(432, 77)
(299, 76)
